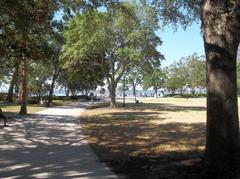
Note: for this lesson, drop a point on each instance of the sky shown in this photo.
(180, 43)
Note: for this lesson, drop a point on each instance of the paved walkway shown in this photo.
(49, 144)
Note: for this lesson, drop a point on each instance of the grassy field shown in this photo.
(32, 108)
(63, 102)
(12, 108)
(145, 140)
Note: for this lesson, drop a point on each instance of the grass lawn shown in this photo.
(161, 137)
(63, 102)
(13, 108)
(32, 108)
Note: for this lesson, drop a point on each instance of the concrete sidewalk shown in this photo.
(49, 144)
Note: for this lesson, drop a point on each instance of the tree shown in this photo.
(9, 73)
(155, 80)
(13, 83)
(3, 78)
(238, 77)
(195, 67)
(118, 37)
(53, 62)
(23, 25)
(221, 35)
(238, 54)
(177, 76)
(81, 75)
(189, 70)
(134, 78)
(222, 145)
(38, 75)
(173, 84)
(102, 91)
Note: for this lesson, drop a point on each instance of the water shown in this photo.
(129, 92)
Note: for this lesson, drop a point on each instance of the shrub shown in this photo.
(3, 96)
(32, 100)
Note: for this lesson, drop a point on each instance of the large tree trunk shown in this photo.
(221, 40)
(17, 89)
(112, 91)
(9, 97)
(134, 92)
(193, 91)
(23, 89)
(51, 94)
(156, 92)
(67, 92)
(181, 91)
(39, 96)
(52, 89)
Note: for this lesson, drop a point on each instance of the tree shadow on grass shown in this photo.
(152, 106)
(136, 147)
(139, 150)
(164, 107)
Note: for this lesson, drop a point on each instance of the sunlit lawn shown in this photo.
(169, 129)
(63, 102)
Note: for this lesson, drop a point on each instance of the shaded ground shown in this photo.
(49, 144)
(161, 138)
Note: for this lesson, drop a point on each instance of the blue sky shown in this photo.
(180, 43)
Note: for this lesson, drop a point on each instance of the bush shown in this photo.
(201, 95)
(169, 95)
(3, 96)
(186, 95)
(32, 100)
(78, 97)
(60, 98)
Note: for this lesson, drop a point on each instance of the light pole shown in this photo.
(38, 90)
(187, 90)
(161, 83)
(43, 94)
(48, 93)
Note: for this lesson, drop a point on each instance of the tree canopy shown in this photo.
(122, 39)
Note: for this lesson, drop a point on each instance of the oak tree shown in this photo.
(220, 22)
(117, 36)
